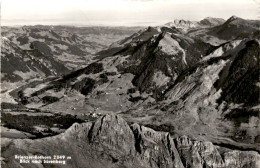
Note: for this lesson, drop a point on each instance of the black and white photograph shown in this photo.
(130, 84)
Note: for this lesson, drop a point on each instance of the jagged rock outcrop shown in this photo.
(111, 142)
(186, 25)
(198, 154)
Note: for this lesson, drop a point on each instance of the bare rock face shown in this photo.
(198, 154)
(157, 149)
(111, 142)
(112, 133)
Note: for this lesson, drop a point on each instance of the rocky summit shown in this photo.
(111, 142)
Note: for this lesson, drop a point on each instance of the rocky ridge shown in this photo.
(112, 142)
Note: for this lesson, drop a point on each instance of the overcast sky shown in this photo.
(121, 12)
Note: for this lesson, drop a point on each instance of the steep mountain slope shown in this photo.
(32, 53)
(147, 58)
(235, 27)
(73, 46)
(200, 98)
(67, 48)
(19, 65)
(111, 142)
(13, 57)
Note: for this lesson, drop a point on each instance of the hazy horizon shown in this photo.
(121, 12)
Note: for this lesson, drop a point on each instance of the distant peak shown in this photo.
(181, 21)
(212, 18)
(208, 17)
(232, 18)
(212, 21)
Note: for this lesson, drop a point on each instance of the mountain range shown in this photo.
(184, 94)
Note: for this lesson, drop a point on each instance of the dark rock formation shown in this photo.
(111, 142)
